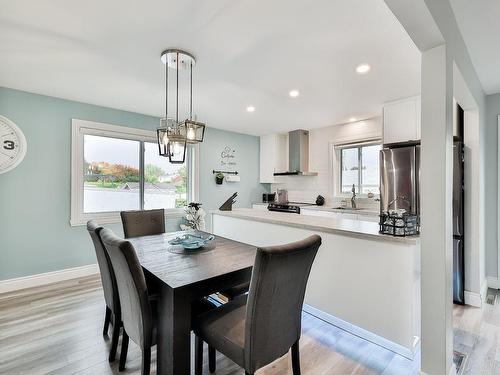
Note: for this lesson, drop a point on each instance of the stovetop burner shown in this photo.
(291, 207)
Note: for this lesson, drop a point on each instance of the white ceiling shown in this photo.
(248, 53)
(479, 24)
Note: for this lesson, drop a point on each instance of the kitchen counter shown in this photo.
(347, 210)
(356, 228)
(358, 275)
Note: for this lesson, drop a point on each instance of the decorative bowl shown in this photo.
(191, 241)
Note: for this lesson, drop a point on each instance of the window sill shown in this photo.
(114, 217)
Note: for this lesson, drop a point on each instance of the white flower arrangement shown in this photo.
(195, 216)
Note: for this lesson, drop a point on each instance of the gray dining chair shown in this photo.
(138, 311)
(110, 289)
(143, 222)
(257, 330)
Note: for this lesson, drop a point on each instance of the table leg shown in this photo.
(174, 330)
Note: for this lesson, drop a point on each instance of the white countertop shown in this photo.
(358, 228)
(347, 210)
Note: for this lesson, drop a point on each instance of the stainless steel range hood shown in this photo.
(298, 155)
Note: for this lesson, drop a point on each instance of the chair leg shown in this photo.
(123, 355)
(146, 360)
(107, 319)
(211, 359)
(114, 340)
(296, 358)
(198, 355)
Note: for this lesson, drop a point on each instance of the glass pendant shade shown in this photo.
(162, 141)
(193, 131)
(177, 151)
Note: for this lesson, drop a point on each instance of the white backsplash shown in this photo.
(307, 188)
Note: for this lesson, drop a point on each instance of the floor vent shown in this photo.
(459, 359)
(491, 299)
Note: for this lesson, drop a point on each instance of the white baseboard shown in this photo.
(473, 299)
(493, 282)
(477, 299)
(47, 278)
(453, 371)
(364, 334)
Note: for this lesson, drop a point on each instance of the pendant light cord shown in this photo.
(177, 94)
(191, 92)
(166, 89)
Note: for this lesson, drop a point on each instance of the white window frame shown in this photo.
(79, 128)
(336, 177)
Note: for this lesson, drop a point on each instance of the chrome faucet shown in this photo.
(353, 198)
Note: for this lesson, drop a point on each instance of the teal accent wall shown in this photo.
(35, 234)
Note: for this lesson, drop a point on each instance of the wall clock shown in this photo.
(12, 145)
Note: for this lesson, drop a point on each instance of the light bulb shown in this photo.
(164, 140)
(176, 148)
(191, 134)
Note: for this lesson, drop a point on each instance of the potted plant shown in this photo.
(219, 178)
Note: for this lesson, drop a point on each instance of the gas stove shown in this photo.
(290, 207)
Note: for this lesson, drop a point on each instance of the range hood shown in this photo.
(298, 155)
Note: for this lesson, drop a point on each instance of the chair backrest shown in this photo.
(135, 308)
(143, 223)
(274, 307)
(106, 269)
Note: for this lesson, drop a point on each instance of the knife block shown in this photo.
(228, 205)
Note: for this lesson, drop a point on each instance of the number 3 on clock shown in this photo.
(8, 145)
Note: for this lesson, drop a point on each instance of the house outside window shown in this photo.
(118, 169)
(358, 165)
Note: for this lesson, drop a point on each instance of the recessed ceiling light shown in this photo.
(250, 108)
(352, 119)
(363, 68)
(294, 93)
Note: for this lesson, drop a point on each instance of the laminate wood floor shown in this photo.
(57, 329)
(477, 334)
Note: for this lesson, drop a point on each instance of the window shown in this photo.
(117, 169)
(359, 166)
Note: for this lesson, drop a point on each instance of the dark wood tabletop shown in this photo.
(184, 277)
(178, 268)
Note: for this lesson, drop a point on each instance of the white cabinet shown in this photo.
(273, 155)
(402, 120)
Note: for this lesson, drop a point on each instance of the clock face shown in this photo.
(12, 145)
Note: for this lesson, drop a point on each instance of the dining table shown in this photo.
(184, 276)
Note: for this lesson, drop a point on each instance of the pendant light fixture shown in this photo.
(173, 136)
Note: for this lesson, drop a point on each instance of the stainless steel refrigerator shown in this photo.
(399, 189)
(458, 223)
(400, 177)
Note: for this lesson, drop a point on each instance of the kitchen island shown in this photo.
(362, 281)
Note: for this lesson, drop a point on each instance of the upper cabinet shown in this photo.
(273, 156)
(402, 120)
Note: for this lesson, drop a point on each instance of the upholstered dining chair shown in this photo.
(143, 223)
(257, 330)
(113, 312)
(138, 311)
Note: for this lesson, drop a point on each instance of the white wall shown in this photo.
(491, 184)
(306, 188)
(432, 23)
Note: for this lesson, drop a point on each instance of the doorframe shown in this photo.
(498, 201)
